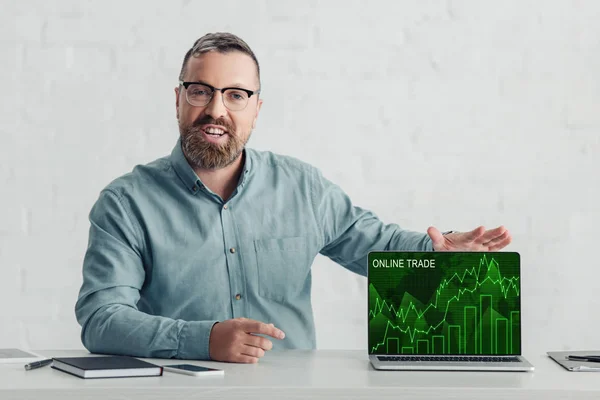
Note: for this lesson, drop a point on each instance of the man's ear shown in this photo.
(177, 103)
(258, 106)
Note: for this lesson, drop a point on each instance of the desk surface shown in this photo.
(303, 374)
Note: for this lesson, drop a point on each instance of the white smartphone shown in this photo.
(195, 370)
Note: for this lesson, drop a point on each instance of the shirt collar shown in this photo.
(187, 174)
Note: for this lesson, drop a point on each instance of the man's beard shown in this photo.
(203, 154)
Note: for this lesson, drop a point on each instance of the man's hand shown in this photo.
(477, 240)
(235, 340)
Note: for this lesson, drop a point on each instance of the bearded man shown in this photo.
(206, 253)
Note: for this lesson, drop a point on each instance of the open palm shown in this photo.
(479, 239)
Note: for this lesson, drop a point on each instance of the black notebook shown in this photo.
(106, 367)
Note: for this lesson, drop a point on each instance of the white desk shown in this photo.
(323, 374)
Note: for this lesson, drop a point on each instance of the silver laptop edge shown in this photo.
(521, 366)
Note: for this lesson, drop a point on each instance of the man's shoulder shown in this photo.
(269, 159)
(142, 177)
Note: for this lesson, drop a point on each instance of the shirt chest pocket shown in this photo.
(283, 266)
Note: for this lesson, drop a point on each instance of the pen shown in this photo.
(585, 358)
(37, 364)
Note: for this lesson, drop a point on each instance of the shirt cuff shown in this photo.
(194, 340)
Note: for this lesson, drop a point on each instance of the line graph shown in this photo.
(469, 304)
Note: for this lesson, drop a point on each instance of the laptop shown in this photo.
(445, 311)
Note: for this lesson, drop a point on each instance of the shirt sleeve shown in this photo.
(349, 232)
(113, 275)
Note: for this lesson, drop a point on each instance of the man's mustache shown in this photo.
(206, 120)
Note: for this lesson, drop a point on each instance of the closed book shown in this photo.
(106, 367)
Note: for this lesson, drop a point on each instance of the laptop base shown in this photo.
(522, 365)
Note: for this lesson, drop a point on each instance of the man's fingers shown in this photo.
(497, 239)
(252, 326)
(501, 245)
(242, 358)
(437, 239)
(259, 341)
(474, 234)
(253, 351)
(493, 234)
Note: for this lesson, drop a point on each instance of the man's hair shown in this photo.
(222, 42)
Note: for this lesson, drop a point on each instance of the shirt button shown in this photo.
(195, 188)
(238, 296)
(232, 250)
(225, 206)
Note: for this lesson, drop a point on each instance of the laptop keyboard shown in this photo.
(450, 358)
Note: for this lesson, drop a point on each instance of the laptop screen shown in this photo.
(444, 303)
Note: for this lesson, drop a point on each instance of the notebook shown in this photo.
(106, 367)
(18, 356)
(445, 311)
(561, 357)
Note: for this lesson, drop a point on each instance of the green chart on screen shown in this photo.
(463, 303)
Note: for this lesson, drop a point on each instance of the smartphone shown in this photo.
(195, 370)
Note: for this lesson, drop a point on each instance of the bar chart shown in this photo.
(468, 305)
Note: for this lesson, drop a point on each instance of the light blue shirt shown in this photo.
(167, 258)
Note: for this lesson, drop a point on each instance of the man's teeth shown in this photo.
(214, 131)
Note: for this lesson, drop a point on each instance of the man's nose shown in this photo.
(215, 108)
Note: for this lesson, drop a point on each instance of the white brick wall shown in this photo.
(452, 113)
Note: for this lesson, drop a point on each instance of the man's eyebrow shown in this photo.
(238, 85)
(200, 81)
(233, 85)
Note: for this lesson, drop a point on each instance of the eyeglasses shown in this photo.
(200, 94)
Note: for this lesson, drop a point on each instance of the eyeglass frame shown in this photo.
(186, 84)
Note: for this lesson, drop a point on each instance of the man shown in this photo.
(206, 253)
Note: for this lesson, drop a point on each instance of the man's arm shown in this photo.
(113, 275)
(350, 232)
